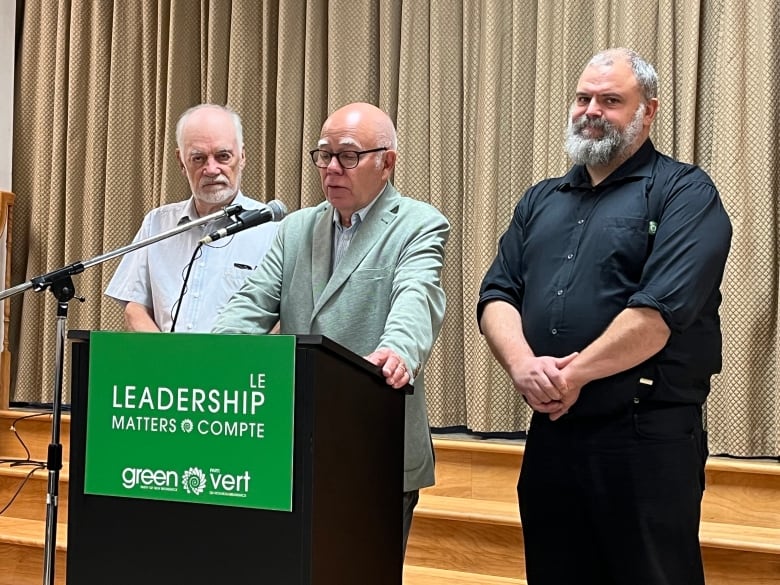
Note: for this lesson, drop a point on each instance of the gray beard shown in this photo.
(613, 144)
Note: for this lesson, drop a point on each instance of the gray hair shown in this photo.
(644, 73)
(233, 116)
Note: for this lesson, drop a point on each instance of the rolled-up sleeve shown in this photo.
(691, 245)
(503, 280)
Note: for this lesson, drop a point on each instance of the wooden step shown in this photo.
(467, 547)
(487, 537)
(738, 491)
(734, 567)
(711, 534)
(427, 576)
(34, 430)
(22, 545)
(466, 527)
(468, 510)
(740, 537)
(468, 535)
(483, 470)
(29, 493)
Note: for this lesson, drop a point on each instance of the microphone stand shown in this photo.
(61, 285)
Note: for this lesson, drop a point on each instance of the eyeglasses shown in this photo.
(348, 159)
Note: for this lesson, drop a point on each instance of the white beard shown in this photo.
(224, 194)
(214, 197)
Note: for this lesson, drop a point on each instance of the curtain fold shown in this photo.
(479, 90)
(739, 135)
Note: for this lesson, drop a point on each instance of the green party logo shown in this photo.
(194, 481)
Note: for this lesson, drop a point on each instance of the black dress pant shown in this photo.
(614, 500)
(410, 502)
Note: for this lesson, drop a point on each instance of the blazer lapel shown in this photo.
(370, 231)
(321, 252)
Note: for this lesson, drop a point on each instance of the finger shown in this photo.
(392, 367)
(551, 392)
(545, 392)
(563, 409)
(401, 374)
(395, 372)
(566, 360)
(545, 407)
(552, 384)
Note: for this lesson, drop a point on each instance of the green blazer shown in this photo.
(385, 292)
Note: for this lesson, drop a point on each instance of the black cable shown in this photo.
(21, 441)
(185, 277)
(19, 462)
(21, 486)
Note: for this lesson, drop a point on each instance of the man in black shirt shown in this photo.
(602, 306)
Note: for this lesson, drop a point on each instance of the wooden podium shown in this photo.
(345, 527)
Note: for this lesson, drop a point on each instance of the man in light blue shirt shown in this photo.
(149, 281)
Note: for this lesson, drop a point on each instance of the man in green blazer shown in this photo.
(362, 268)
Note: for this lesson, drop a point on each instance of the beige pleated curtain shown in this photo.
(479, 91)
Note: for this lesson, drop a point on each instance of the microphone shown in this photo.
(273, 211)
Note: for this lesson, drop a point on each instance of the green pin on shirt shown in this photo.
(652, 227)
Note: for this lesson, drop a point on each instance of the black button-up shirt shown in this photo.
(574, 256)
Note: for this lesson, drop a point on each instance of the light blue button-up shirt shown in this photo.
(342, 236)
(153, 275)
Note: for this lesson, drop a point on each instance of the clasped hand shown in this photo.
(543, 383)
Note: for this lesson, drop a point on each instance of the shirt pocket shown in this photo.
(235, 274)
(622, 247)
(364, 274)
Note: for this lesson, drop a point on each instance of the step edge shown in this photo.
(420, 570)
(43, 415)
(38, 474)
(478, 446)
(8, 537)
(714, 462)
(763, 539)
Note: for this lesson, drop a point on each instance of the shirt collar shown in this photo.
(189, 212)
(360, 213)
(639, 165)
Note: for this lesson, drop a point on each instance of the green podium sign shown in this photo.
(199, 418)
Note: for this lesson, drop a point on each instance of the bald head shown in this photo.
(371, 122)
(357, 128)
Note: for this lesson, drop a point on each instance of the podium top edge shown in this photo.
(307, 340)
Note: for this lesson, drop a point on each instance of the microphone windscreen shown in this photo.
(278, 209)
(251, 218)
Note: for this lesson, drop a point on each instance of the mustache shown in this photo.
(220, 180)
(584, 122)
